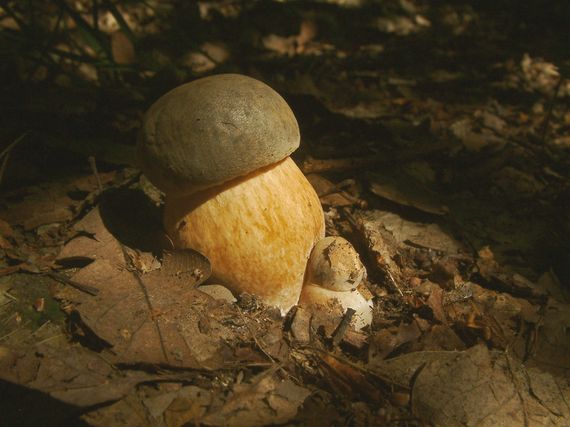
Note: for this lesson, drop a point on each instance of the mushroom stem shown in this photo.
(257, 231)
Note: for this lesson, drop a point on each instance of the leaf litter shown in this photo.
(464, 241)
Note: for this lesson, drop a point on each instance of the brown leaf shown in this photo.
(435, 302)
(385, 341)
(47, 203)
(321, 185)
(69, 373)
(405, 190)
(266, 400)
(348, 379)
(122, 48)
(424, 235)
(450, 388)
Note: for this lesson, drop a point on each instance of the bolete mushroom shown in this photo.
(334, 271)
(219, 149)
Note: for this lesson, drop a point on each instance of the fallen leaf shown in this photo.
(450, 388)
(404, 189)
(71, 373)
(387, 341)
(122, 48)
(266, 400)
(347, 379)
(47, 203)
(417, 234)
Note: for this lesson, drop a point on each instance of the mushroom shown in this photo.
(334, 271)
(219, 149)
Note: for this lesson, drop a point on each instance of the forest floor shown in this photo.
(437, 136)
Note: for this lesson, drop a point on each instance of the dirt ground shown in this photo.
(437, 137)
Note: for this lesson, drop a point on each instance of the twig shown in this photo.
(10, 296)
(393, 281)
(146, 295)
(3, 165)
(343, 326)
(43, 325)
(9, 334)
(79, 286)
(50, 338)
(10, 317)
(93, 165)
(549, 111)
(14, 143)
(312, 165)
(6, 152)
(518, 387)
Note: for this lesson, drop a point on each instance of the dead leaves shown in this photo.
(47, 204)
(478, 387)
(71, 374)
(265, 399)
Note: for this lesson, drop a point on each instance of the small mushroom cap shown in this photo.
(334, 264)
(212, 130)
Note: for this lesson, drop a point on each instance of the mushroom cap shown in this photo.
(212, 130)
(334, 264)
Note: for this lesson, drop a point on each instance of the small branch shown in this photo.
(79, 286)
(312, 165)
(549, 111)
(93, 165)
(343, 326)
(14, 143)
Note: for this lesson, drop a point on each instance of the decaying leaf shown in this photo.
(71, 374)
(48, 203)
(385, 341)
(411, 233)
(266, 400)
(402, 188)
(478, 387)
(347, 379)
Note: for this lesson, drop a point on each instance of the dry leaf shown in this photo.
(348, 380)
(70, 373)
(452, 388)
(411, 233)
(266, 400)
(404, 189)
(122, 48)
